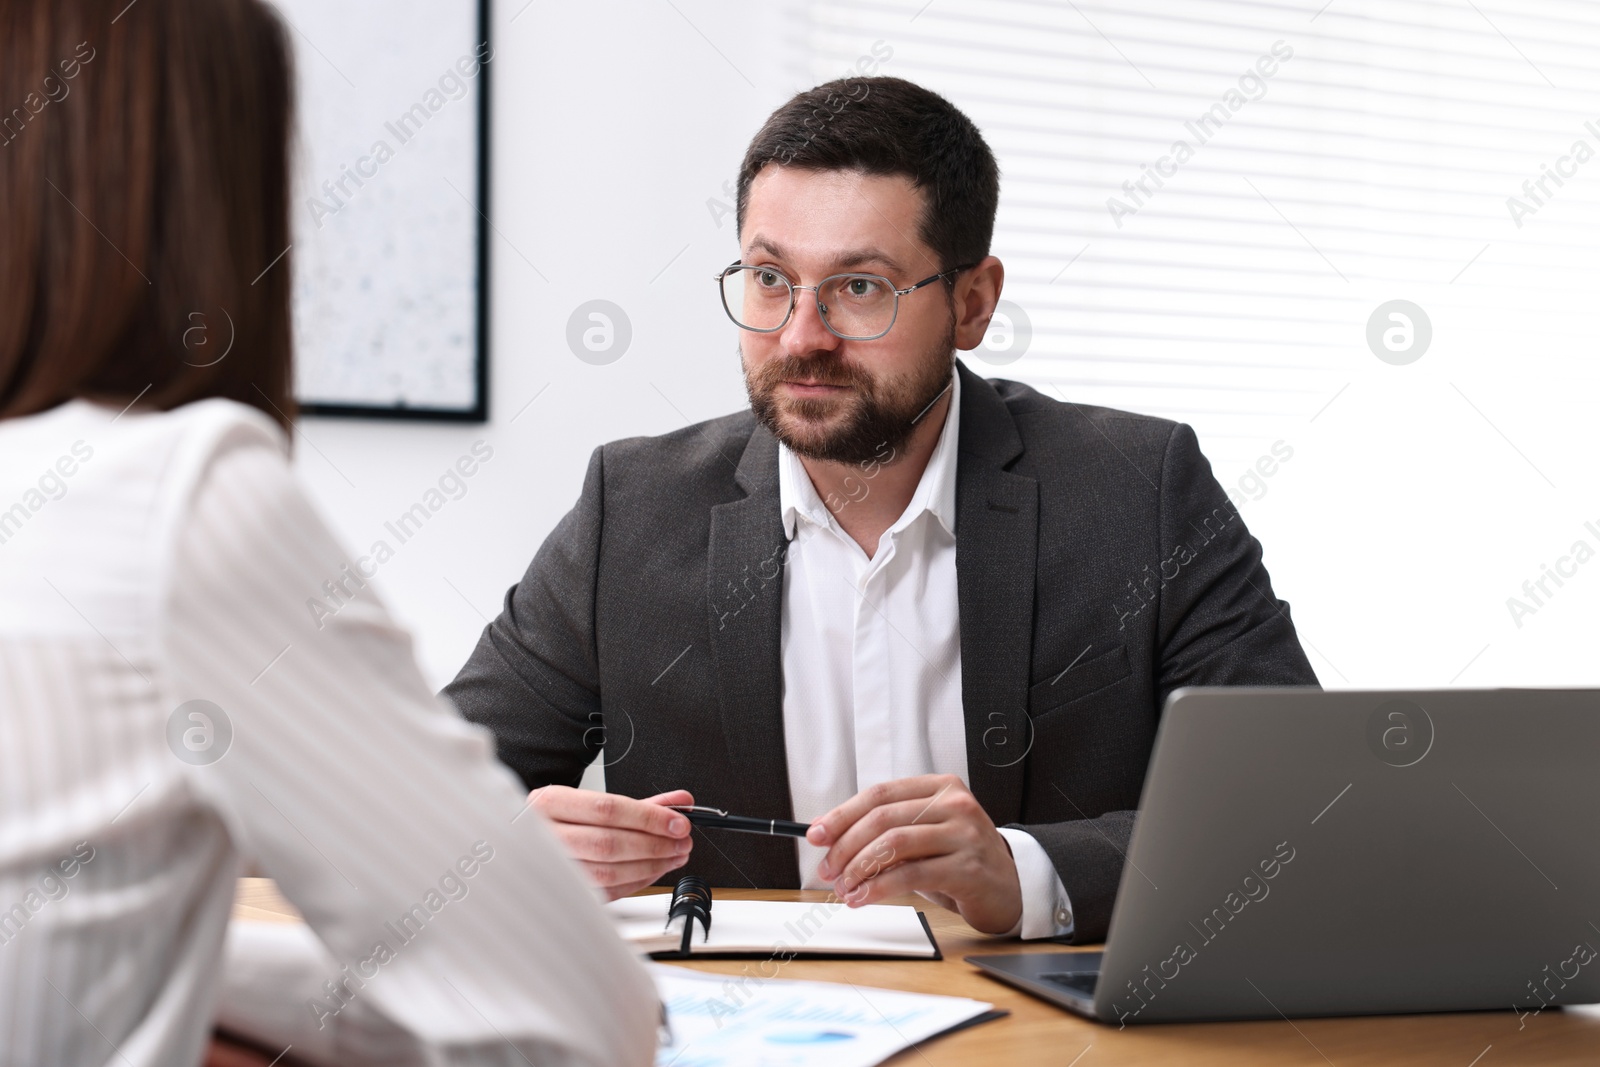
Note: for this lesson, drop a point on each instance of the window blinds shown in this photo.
(1204, 202)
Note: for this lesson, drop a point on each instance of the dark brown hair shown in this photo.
(890, 126)
(144, 186)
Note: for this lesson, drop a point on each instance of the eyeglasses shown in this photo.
(854, 307)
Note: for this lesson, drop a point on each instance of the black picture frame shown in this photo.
(479, 411)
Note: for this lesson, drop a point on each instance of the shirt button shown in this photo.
(1063, 917)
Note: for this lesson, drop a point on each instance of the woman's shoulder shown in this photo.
(221, 441)
(127, 454)
(202, 425)
(215, 424)
(166, 462)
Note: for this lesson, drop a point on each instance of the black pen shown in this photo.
(721, 820)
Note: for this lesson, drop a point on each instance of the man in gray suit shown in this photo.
(935, 615)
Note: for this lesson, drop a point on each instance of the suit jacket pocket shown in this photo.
(1079, 680)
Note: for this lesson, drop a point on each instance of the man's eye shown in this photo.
(769, 279)
(862, 287)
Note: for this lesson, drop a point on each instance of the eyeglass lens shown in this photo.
(854, 305)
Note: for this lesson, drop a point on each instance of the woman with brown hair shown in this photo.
(168, 708)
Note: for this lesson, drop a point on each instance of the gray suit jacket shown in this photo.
(1099, 567)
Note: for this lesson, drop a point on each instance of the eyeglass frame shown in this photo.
(816, 294)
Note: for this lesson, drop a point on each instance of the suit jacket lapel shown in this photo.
(997, 540)
(745, 593)
(997, 544)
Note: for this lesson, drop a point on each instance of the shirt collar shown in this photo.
(935, 493)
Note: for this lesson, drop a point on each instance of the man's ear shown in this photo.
(976, 294)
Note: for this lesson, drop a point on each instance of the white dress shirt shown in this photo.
(872, 660)
(148, 561)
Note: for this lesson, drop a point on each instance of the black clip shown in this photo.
(691, 899)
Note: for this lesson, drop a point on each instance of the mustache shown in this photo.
(823, 369)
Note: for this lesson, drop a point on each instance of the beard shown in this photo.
(878, 414)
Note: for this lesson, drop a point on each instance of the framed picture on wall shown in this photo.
(389, 207)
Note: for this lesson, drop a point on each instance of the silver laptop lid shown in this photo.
(1301, 852)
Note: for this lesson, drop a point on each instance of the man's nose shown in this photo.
(805, 332)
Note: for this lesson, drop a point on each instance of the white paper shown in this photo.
(817, 927)
(743, 1021)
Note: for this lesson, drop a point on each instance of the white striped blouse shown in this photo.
(169, 708)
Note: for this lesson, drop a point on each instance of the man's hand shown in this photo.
(927, 834)
(624, 844)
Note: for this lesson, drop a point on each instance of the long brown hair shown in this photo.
(144, 193)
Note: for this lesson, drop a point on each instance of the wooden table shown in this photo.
(1039, 1033)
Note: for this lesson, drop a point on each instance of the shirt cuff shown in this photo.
(1046, 908)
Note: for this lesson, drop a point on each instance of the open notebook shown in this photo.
(763, 927)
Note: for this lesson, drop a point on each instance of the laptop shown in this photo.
(1303, 853)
